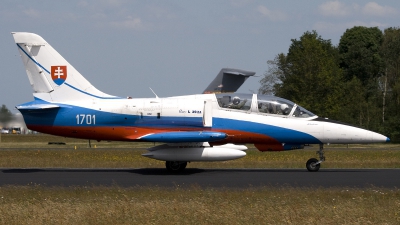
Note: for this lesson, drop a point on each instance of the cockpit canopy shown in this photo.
(268, 104)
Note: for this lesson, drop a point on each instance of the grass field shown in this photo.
(153, 205)
(34, 151)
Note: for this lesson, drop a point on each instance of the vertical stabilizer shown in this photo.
(52, 78)
(228, 80)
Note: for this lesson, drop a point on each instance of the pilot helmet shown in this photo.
(236, 100)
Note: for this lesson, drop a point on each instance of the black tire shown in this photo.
(311, 166)
(175, 166)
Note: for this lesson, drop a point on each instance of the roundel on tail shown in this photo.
(59, 74)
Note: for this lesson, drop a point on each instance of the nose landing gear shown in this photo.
(313, 164)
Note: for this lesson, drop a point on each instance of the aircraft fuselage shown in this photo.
(134, 119)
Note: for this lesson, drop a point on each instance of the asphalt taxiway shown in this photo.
(215, 178)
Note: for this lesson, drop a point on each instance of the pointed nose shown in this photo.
(341, 133)
(379, 137)
(338, 133)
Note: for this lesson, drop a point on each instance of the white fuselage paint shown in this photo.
(325, 132)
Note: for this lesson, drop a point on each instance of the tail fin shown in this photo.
(228, 81)
(52, 78)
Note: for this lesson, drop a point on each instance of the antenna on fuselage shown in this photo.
(153, 92)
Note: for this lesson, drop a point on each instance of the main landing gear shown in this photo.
(313, 164)
(175, 166)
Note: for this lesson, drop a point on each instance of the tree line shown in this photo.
(5, 115)
(357, 81)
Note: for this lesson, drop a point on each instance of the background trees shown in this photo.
(355, 82)
(5, 115)
(390, 81)
(362, 64)
(359, 53)
(308, 74)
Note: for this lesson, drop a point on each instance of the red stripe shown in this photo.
(262, 142)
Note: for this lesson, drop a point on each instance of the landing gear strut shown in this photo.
(313, 164)
(175, 166)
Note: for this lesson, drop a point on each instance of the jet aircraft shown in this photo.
(200, 127)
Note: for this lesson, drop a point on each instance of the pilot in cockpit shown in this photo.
(237, 103)
(274, 108)
(285, 109)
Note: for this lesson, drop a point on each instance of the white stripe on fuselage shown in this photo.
(326, 132)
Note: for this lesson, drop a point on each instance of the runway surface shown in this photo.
(216, 178)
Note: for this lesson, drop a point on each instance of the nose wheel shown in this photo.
(314, 164)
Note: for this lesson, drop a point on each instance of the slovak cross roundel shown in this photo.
(59, 74)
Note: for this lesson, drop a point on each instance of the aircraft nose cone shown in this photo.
(379, 137)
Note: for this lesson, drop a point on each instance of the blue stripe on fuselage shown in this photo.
(68, 115)
(283, 135)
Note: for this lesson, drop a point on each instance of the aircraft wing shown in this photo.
(184, 136)
(228, 80)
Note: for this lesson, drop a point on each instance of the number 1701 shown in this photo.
(85, 119)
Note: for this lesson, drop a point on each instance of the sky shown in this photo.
(175, 47)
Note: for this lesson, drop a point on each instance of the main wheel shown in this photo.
(312, 166)
(175, 166)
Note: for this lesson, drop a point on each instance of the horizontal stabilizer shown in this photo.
(184, 136)
(37, 106)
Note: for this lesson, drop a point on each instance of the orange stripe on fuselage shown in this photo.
(133, 133)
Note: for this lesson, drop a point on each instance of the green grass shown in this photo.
(193, 205)
(42, 141)
(30, 151)
(152, 205)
